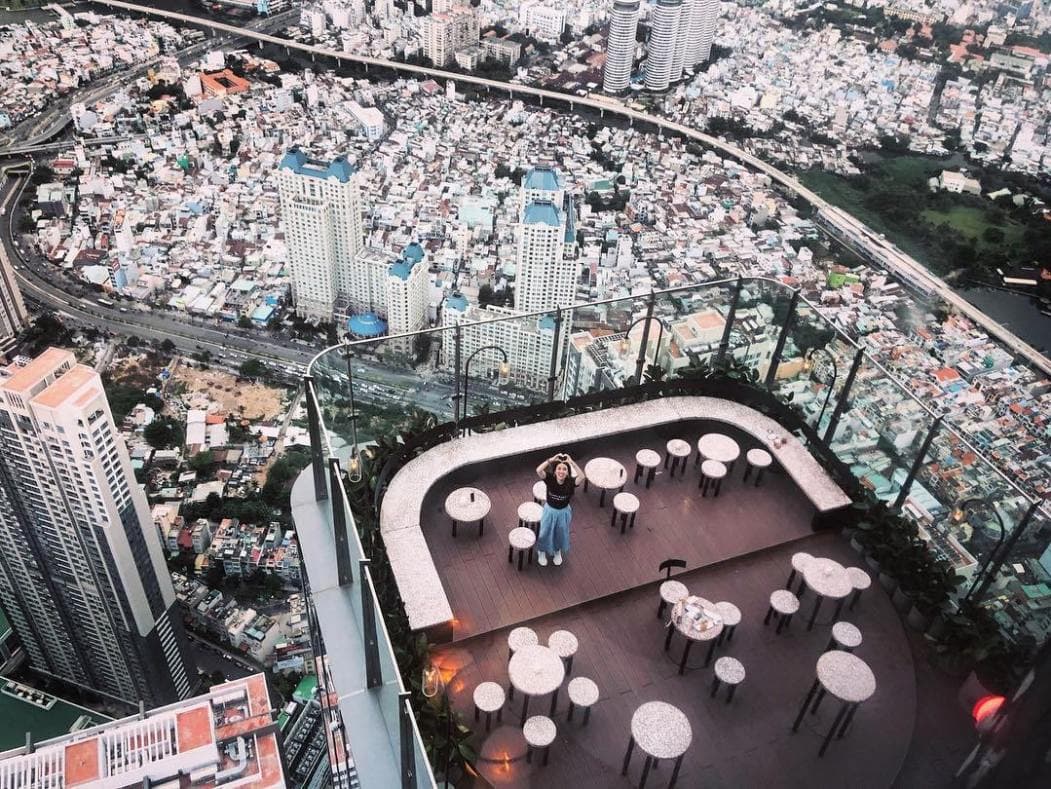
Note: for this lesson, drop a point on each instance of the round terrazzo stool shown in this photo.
(626, 506)
(728, 671)
(712, 475)
(565, 646)
(845, 636)
(521, 542)
(677, 453)
(539, 732)
(539, 492)
(758, 459)
(860, 580)
(799, 561)
(518, 638)
(583, 693)
(731, 615)
(671, 592)
(646, 460)
(529, 515)
(784, 604)
(489, 698)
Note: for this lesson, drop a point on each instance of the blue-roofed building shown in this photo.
(366, 326)
(301, 164)
(456, 301)
(542, 183)
(407, 290)
(544, 212)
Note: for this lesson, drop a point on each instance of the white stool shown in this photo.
(784, 604)
(730, 671)
(489, 698)
(521, 540)
(521, 637)
(564, 644)
(860, 580)
(760, 460)
(678, 452)
(800, 559)
(529, 514)
(625, 505)
(712, 474)
(582, 693)
(646, 460)
(845, 636)
(671, 592)
(731, 615)
(539, 732)
(540, 491)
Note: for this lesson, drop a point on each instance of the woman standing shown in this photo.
(561, 475)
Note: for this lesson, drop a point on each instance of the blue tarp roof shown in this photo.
(541, 212)
(366, 325)
(299, 163)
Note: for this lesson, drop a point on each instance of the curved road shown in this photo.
(881, 252)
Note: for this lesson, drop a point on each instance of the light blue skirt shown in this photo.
(554, 529)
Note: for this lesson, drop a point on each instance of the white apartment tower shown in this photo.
(446, 32)
(620, 46)
(321, 217)
(82, 574)
(701, 22)
(13, 316)
(545, 279)
(660, 51)
(407, 292)
(542, 184)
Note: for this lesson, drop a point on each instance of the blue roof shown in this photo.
(299, 163)
(413, 252)
(366, 325)
(541, 212)
(546, 323)
(456, 301)
(410, 256)
(542, 178)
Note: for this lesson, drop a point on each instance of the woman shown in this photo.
(561, 482)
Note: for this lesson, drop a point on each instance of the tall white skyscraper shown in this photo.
(82, 574)
(701, 22)
(660, 51)
(620, 46)
(321, 216)
(13, 316)
(444, 33)
(407, 291)
(545, 279)
(542, 184)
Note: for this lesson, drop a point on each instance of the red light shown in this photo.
(984, 707)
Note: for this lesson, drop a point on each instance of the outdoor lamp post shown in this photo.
(959, 512)
(354, 467)
(808, 367)
(505, 370)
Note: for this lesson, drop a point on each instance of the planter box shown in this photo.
(901, 600)
(917, 620)
(888, 582)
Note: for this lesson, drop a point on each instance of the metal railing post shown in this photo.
(317, 458)
(775, 360)
(556, 349)
(339, 526)
(724, 343)
(408, 752)
(457, 362)
(844, 397)
(998, 561)
(373, 672)
(906, 486)
(640, 363)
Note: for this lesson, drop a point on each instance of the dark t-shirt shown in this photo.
(559, 494)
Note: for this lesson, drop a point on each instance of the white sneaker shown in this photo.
(541, 559)
(558, 557)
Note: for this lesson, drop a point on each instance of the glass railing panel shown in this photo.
(1020, 595)
(392, 687)
(424, 772)
(880, 432)
(761, 312)
(603, 345)
(693, 322)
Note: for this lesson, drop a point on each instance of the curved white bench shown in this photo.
(426, 604)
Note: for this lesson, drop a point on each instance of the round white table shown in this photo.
(465, 505)
(846, 677)
(536, 670)
(706, 628)
(719, 447)
(826, 578)
(661, 731)
(606, 473)
(646, 460)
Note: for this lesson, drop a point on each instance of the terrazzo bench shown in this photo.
(426, 604)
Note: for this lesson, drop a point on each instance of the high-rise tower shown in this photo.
(545, 278)
(702, 18)
(660, 51)
(82, 574)
(321, 216)
(620, 46)
(13, 316)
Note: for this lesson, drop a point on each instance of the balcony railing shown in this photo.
(855, 408)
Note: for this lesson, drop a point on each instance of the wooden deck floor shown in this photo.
(745, 744)
(486, 593)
